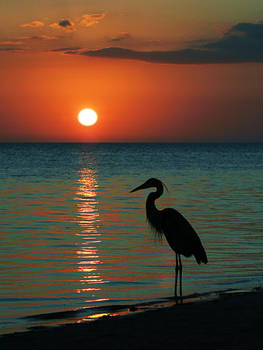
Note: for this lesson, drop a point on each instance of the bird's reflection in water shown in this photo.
(88, 218)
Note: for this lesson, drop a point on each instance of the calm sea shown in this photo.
(73, 237)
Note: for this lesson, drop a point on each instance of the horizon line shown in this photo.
(132, 142)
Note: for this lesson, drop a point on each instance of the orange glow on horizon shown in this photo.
(139, 101)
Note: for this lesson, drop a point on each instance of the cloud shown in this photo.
(10, 43)
(241, 37)
(65, 24)
(249, 29)
(38, 37)
(13, 49)
(120, 37)
(187, 56)
(88, 20)
(33, 24)
(63, 49)
(241, 43)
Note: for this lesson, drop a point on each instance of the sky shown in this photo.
(155, 71)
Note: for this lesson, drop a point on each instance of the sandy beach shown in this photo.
(232, 321)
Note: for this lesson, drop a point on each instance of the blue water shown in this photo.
(72, 236)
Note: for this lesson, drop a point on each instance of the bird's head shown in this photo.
(150, 183)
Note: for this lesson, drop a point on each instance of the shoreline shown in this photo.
(92, 313)
(59, 318)
(230, 321)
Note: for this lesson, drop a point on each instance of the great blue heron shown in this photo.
(180, 235)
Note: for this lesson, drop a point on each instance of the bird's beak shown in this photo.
(141, 187)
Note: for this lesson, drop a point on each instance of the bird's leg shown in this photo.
(176, 276)
(181, 273)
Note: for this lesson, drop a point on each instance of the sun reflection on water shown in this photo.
(88, 218)
(88, 215)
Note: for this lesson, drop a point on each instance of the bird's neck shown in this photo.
(151, 209)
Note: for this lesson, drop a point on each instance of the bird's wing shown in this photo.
(180, 234)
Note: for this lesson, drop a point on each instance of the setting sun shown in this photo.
(87, 117)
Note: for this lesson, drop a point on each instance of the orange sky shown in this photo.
(42, 91)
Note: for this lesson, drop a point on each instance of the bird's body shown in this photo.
(188, 243)
(179, 233)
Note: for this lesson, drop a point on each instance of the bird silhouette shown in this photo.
(179, 233)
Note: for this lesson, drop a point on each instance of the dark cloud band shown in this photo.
(242, 43)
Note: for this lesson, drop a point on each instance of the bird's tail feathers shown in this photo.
(200, 256)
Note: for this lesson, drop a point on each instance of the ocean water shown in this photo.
(73, 238)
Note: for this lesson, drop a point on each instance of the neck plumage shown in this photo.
(152, 213)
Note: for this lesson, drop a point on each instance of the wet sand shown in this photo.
(232, 321)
